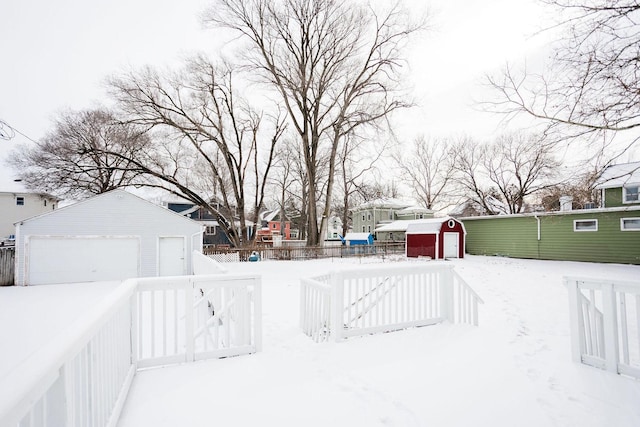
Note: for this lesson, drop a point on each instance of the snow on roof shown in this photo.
(414, 209)
(386, 203)
(357, 236)
(619, 175)
(403, 224)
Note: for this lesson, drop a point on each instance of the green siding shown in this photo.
(613, 197)
(517, 237)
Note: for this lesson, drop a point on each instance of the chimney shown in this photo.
(566, 203)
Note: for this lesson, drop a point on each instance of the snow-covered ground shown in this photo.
(515, 369)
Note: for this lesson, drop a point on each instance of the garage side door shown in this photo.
(171, 257)
(81, 259)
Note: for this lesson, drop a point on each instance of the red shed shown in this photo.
(437, 238)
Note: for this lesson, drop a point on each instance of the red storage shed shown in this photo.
(437, 238)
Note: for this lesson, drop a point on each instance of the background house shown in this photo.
(112, 236)
(18, 203)
(620, 185)
(371, 215)
(272, 223)
(214, 235)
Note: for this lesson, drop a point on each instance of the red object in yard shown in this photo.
(437, 238)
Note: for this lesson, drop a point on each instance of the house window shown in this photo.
(630, 194)
(363, 217)
(390, 214)
(45, 202)
(368, 217)
(274, 226)
(585, 225)
(369, 229)
(211, 230)
(630, 224)
(20, 201)
(363, 229)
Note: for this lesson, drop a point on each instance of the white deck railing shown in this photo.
(82, 379)
(605, 324)
(359, 302)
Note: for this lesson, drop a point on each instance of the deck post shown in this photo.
(610, 318)
(575, 314)
(337, 305)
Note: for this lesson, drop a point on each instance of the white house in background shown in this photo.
(334, 228)
(112, 236)
(18, 203)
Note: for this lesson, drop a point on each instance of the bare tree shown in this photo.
(216, 151)
(593, 84)
(428, 167)
(470, 174)
(519, 165)
(357, 159)
(75, 159)
(336, 67)
(501, 175)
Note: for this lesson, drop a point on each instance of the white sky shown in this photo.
(55, 55)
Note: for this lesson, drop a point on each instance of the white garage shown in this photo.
(112, 236)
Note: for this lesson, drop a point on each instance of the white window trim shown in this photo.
(20, 198)
(624, 194)
(628, 229)
(584, 220)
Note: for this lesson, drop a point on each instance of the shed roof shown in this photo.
(357, 236)
(403, 224)
(619, 175)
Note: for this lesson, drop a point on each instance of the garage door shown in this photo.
(81, 259)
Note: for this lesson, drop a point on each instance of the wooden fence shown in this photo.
(7, 265)
(356, 302)
(605, 324)
(301, 253)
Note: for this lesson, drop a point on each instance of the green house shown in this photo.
(620, 185)
(595, 235)
(371, 215)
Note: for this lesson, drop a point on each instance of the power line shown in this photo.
(8, 132)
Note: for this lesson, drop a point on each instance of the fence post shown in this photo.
(189, 336)
(446, 293)
(337, 305)
(610, 318)
(575, 314)
(257, 313)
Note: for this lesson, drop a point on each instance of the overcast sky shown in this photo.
(56, 55)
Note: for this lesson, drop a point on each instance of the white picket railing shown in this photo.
(605, 324)
(82, 379)
(359, 302)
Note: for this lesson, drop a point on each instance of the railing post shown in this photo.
(189, 338)
(337, 305)
(575, 314)
(257, 313)
(610, 318)
(446, 293)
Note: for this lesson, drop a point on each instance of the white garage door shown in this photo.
(81, 259)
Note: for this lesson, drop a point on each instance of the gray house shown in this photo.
(111, 236)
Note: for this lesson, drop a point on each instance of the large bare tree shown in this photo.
(508, 170)
(593, 81)
(211, 147)
(428, 167)
(87, 152)
(336, 66)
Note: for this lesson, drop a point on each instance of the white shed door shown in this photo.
(171, 257)
(81, 259)
(451, 245)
